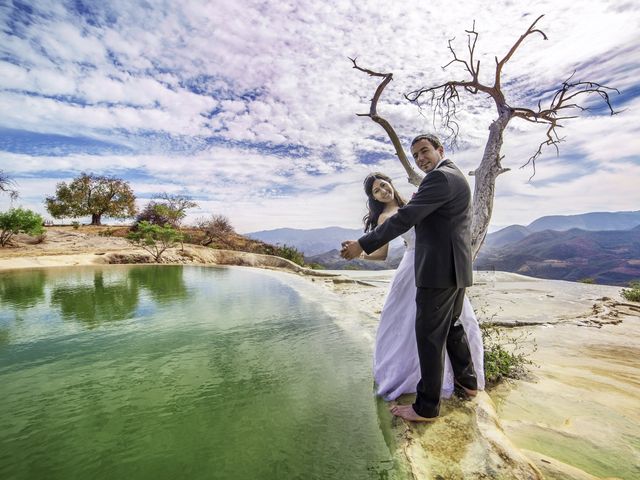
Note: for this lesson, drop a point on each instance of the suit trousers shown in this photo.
(437, 326)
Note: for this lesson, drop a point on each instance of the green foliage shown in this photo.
(93, 195)
(505, 355)
(633, 292)
(22, 289)
(588, 280)
(290, 253)
(352, 266)
(154, 213)
(315, 266)
(154, 238)
(19, 220)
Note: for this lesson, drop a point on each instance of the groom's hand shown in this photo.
(350, 250)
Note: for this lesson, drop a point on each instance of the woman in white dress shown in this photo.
(395, 363)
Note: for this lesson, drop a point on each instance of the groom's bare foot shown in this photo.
(408, 413)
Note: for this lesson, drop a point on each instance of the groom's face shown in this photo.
(425, 155)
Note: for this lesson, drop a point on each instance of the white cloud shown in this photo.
(278, 74)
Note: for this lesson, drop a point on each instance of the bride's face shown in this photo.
(382, 191)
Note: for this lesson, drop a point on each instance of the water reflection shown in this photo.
(5, 339)
(115, 295)
(165, 286)
(95, 304)
(22, 289)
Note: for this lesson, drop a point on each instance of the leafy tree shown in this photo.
(19, 220)
(214, 227)
(170, 209)
(155, 239)
(94, 195)
(7, 184)
(154, 213)
(176, 206)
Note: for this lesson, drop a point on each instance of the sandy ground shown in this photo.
(577, 415)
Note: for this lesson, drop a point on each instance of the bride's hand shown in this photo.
(350, 249)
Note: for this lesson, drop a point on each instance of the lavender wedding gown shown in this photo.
(395, 363)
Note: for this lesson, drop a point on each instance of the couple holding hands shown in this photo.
(428, 340)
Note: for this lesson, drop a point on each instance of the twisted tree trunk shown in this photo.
(485, 181)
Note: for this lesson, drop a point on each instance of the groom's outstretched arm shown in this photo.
(434, 191)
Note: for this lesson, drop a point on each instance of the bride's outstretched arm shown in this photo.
(383, 251)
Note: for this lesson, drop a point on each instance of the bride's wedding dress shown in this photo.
(396, 368)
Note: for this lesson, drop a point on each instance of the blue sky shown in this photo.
(249, 107)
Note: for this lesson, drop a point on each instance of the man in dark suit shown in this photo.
(441, 213)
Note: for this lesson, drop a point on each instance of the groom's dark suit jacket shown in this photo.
(441, 212)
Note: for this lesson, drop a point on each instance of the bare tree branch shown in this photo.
(501, 63)
(413, 177)
(563, 99)
(7, 185)
(443, 98)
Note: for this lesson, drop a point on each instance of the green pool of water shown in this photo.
(181, 372)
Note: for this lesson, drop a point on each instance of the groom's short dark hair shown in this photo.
(433, 140)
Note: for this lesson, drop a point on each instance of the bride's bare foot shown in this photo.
(408, 413)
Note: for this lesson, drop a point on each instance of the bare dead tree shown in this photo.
(444, 99)
(215, 227)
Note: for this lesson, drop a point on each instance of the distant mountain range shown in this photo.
(609, 257)
(602, 246)
(309, 242)
(587, 221)
(595, 221)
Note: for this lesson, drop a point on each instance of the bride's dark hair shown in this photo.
(375, 207)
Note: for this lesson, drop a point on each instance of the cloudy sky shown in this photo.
(250, 106)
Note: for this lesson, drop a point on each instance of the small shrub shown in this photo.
(19, 220)
(290, 253)
(505, 355)
(75, 224)
(315, 266)
(633, 292)
(352, 266)
(588, 280)
(154, 238)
